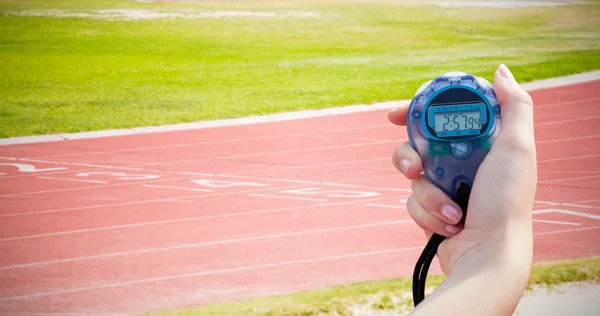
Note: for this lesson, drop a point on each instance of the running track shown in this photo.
(128, 224)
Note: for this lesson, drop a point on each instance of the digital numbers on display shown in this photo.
(457, 121)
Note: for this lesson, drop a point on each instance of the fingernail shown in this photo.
(405, 165)
(452, 229)
(451, 213)
(505, 72)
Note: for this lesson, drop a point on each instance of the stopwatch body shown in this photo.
(452, 122)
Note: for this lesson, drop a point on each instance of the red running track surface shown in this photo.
(128, 224)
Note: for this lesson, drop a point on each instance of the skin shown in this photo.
(487, 261)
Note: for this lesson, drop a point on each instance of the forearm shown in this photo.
(488, 280)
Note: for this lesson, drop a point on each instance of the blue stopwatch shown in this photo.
(452, 122)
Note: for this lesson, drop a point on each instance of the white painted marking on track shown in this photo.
(339, 183)
(211, 183)
(94, 187)
(186, 219)
(569, 158)
(567, 172)
(29, 168)
(74, 180)
(568, 179)
(566, 231)
(287, 197)
(567, 103)
(202, 244)
(332, 193)
(570, 204)
(337, 163)
(556, 222)
(120, 175)
(588, 201)
(101, 198)
(185, 197)
(210, 272)
(386, 206)
(232, 140)
(580, 214)
(567, 139)
(291, 151)
(569, 121)
(176, 188)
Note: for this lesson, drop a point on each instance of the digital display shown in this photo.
(456, 120)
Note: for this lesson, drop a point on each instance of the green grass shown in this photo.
(389, 295)
(81, 74)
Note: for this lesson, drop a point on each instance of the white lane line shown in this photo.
(101, 198)
(588, 201)
(339, 183)
(568, 179)
(556, 222)
(287, 197)
(550, 211)
(567, 139)
(202, 244)
(566, 231)
(292, 167)
(186, 219)
(133, 150)
(197, 196)
(569, 158)
(567, 172)
(210, 272)
(386, 206)
(566, 103)
(568, 121)
(292, 151)
(79, 208)
(176, 188)
(569, 204)
(74, 180)
(100, 186)
(77, 164)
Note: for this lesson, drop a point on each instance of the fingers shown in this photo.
(432, 209)
(517, 112)
(427, 221)
(407, 161)
(398, 114)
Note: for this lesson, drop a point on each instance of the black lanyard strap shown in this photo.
(422, 267)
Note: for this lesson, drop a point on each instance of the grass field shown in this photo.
(69, 66)
(391, 296)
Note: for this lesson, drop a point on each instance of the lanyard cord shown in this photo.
(422, 267)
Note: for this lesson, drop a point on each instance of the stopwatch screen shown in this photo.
(456, 114)
(457, 123)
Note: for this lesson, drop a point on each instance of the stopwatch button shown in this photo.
(440, 172)
(416, 114)
(460, 149)
(497, 109)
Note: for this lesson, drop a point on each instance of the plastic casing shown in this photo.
(447, 171)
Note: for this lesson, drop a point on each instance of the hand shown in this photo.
(501, 201)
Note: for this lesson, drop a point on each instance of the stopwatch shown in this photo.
(452, 122)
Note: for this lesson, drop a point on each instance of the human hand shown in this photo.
(501, 201)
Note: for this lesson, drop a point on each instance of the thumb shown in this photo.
(517, 131)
